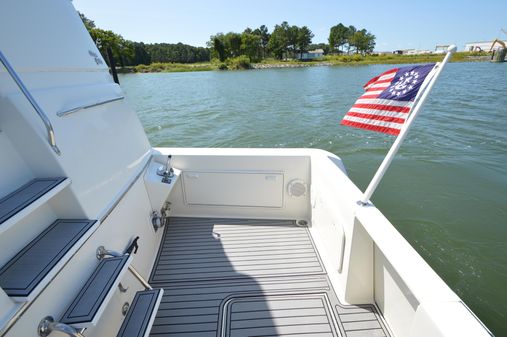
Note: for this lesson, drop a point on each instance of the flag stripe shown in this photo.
(384, 101)
(383, 118)
(383, 129)
(373, 122)
(380, 113)
(383, 107)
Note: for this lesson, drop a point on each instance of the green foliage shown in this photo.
(173, 67)
(304, 39)
(351, 39)
(251, 46)
(239, 63)
(122, 49)
(263, 33)
(363, 41)
(278, 41)
(129, 53)
(176, 53)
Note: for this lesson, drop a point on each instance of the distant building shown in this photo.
(480, 46)
(312, 54)
(416, 52)
(411, 52)
(441, 48)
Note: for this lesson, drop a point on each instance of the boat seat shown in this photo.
(92, 300)
(25, 275)
(28, 197)
(141, 314)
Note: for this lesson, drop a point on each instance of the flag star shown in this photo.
(410, 87)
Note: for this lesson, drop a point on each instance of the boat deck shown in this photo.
(238, 278)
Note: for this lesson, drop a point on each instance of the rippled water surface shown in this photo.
(446, 191)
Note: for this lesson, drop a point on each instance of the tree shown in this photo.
(304, 39)
(363, 41)
(232, 42)
(251, 46)
(263, 33)
(141, 55)
(351, 30)
(278, 41)
(89, 24)
(121, 48)
(338, 36)
(292, 39)
(217, 45)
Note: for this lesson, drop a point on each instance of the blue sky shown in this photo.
(397, 24)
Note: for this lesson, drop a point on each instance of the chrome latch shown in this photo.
(48, 325)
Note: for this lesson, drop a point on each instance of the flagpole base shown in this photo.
(363, 203)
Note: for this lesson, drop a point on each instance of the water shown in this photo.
(446, 191)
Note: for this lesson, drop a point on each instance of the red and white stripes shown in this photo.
(377, 114)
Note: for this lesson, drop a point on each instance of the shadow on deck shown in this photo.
(238, 278)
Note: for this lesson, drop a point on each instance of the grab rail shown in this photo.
(87, 106)
(33, 102)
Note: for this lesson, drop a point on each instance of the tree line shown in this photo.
(130, 53)
(288, 41)
(285, 41)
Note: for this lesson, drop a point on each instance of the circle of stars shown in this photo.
(405, 83)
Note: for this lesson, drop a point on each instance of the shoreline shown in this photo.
(327, 61)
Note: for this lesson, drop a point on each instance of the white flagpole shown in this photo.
(403, 133)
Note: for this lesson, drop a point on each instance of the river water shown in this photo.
(446, 191)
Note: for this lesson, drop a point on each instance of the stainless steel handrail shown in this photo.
(33, 102)
(87, 106)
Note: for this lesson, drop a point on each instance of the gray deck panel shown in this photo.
(29, 267)
(138, 317)
(14, 202)
(259, 277)
(87, 303)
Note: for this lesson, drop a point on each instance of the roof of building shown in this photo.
(317, 51)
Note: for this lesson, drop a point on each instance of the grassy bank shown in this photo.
(402, 59)
(242, 63)
(174, 67)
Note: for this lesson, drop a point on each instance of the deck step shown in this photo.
(29, 271)
(28, 197)
(92, 300)
(141, 314)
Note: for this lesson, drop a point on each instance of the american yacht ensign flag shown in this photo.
(388, 99)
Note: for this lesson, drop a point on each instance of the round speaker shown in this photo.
(296, 188)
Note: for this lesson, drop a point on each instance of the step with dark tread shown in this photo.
(22, 277)
(89, 304)
(16, 201)
(141, 314)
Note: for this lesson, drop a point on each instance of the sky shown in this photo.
(397, 24)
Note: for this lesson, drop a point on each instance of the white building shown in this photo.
(312, 54)
(480, 46)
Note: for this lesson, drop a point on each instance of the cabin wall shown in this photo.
(239, 183)
(101, 146)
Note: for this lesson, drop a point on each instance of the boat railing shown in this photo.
(87, 106)
(33, 103)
